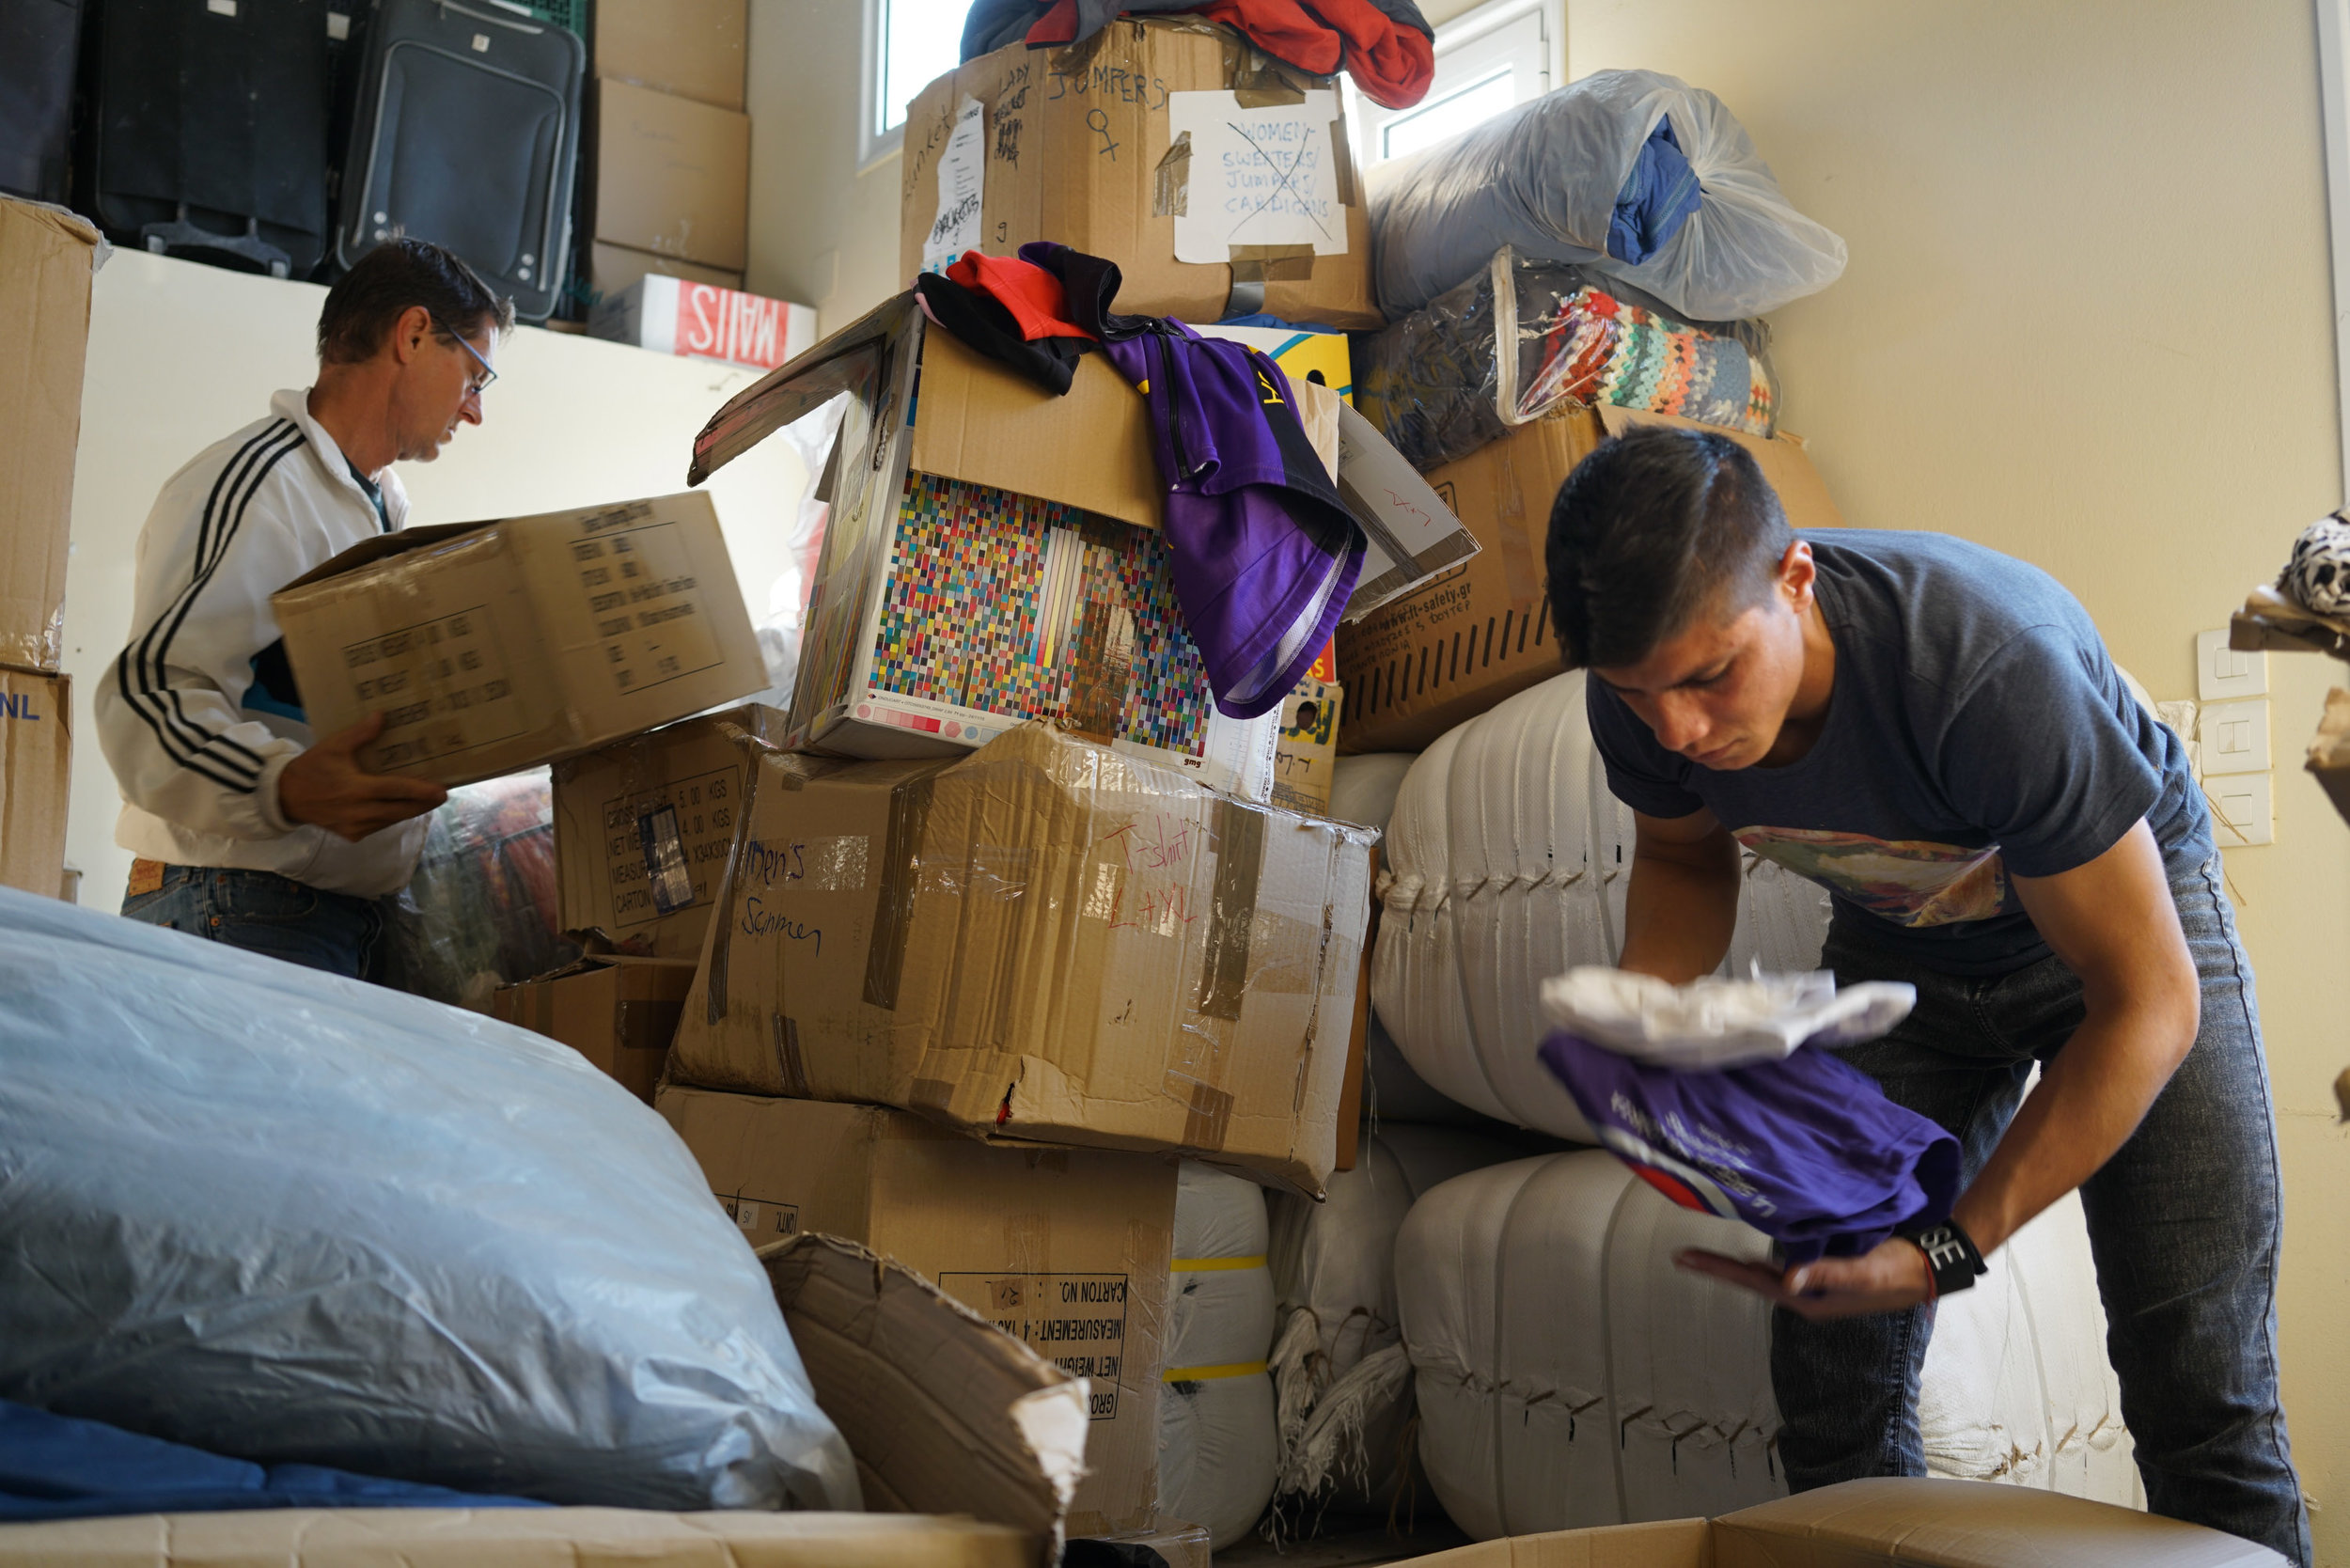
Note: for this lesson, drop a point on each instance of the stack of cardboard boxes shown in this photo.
(956, 957)
(667, 187)
(46, 261)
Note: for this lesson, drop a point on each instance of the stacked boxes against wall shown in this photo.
(668, 188)
(46, 259)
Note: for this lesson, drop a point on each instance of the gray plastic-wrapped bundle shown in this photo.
(294, 1218)
(1522, 338)
(1546, 179)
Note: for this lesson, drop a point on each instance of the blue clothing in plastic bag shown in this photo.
(1807, 1150)
(1656, 198)
(57, 1467)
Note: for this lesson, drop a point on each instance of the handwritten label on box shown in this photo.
(1258, 177)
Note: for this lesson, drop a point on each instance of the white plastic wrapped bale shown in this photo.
(1545, 177)
(1568, 1374)
(1342, 1390)
(294, 1218)
(1505, 863)
(1217, 1451)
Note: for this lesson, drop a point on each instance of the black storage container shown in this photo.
(467, 134)
(208, 136)
(41, 41)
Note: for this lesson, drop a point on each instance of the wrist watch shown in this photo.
(1950, 1254)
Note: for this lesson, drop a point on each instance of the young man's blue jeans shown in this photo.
(2185, 1223)
(264, 913)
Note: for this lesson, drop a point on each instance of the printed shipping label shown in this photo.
(1076, 1321)
(639, 582)
(443, 686)
(665, 849)
(1258, 177)
(761, 1219)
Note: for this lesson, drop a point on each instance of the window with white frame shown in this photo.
(1488, 60)
(908, 45)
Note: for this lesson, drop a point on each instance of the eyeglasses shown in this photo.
(488, 374)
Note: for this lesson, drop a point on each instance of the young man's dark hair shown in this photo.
(1648, 531)
(362, 308)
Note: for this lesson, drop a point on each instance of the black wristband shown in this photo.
(1952, 1255)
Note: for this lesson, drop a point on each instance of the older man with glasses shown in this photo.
(250, 830)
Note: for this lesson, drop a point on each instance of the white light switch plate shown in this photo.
(2243, 809)
(2234, 737)
(2222, 674)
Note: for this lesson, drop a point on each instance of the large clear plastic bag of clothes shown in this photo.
(481, 911)
(294, 1218)
(1547, 177)
(1440, 382)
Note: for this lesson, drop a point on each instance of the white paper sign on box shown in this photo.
(961, 175)
(1258, 177)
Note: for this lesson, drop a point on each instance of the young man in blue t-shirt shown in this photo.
(1935, 733)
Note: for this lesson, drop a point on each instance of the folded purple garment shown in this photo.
(1264, 552)
(1807, 1150)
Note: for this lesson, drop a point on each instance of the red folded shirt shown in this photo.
(1032, 294)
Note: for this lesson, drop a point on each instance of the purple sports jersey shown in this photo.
(1807, 1150)
(1264, 555)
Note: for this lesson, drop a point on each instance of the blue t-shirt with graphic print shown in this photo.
(1977, 731)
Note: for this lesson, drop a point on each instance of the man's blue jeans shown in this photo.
(264, 913)
(2184, 1223)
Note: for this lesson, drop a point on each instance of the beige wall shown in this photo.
(2087, 321)
(820, 230)
(181, 354)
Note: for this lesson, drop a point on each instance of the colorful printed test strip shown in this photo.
(987, 594)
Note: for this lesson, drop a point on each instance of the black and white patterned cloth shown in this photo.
(2318, 576)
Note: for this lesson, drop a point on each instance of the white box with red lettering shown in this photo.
(702, 321)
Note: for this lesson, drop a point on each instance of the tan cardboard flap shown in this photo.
(976, 422)
(944, 1413)
(515, 1538)
(1065, 1250)
(853, 360)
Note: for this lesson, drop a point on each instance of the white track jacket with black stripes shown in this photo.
(195, 742)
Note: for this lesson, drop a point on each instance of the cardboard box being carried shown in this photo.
(1217, 178)
(700, 321)
(1450, 648)
(1897, 1522)
(996, 555)
(35, 773)
(493, 646)
(672, 175)
(46, 258)
(643, 829)
(618, 1011)
(1065, 1250)
(1044, 940)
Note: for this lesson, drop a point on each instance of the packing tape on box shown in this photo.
(901, 882)
(1210, 1374)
